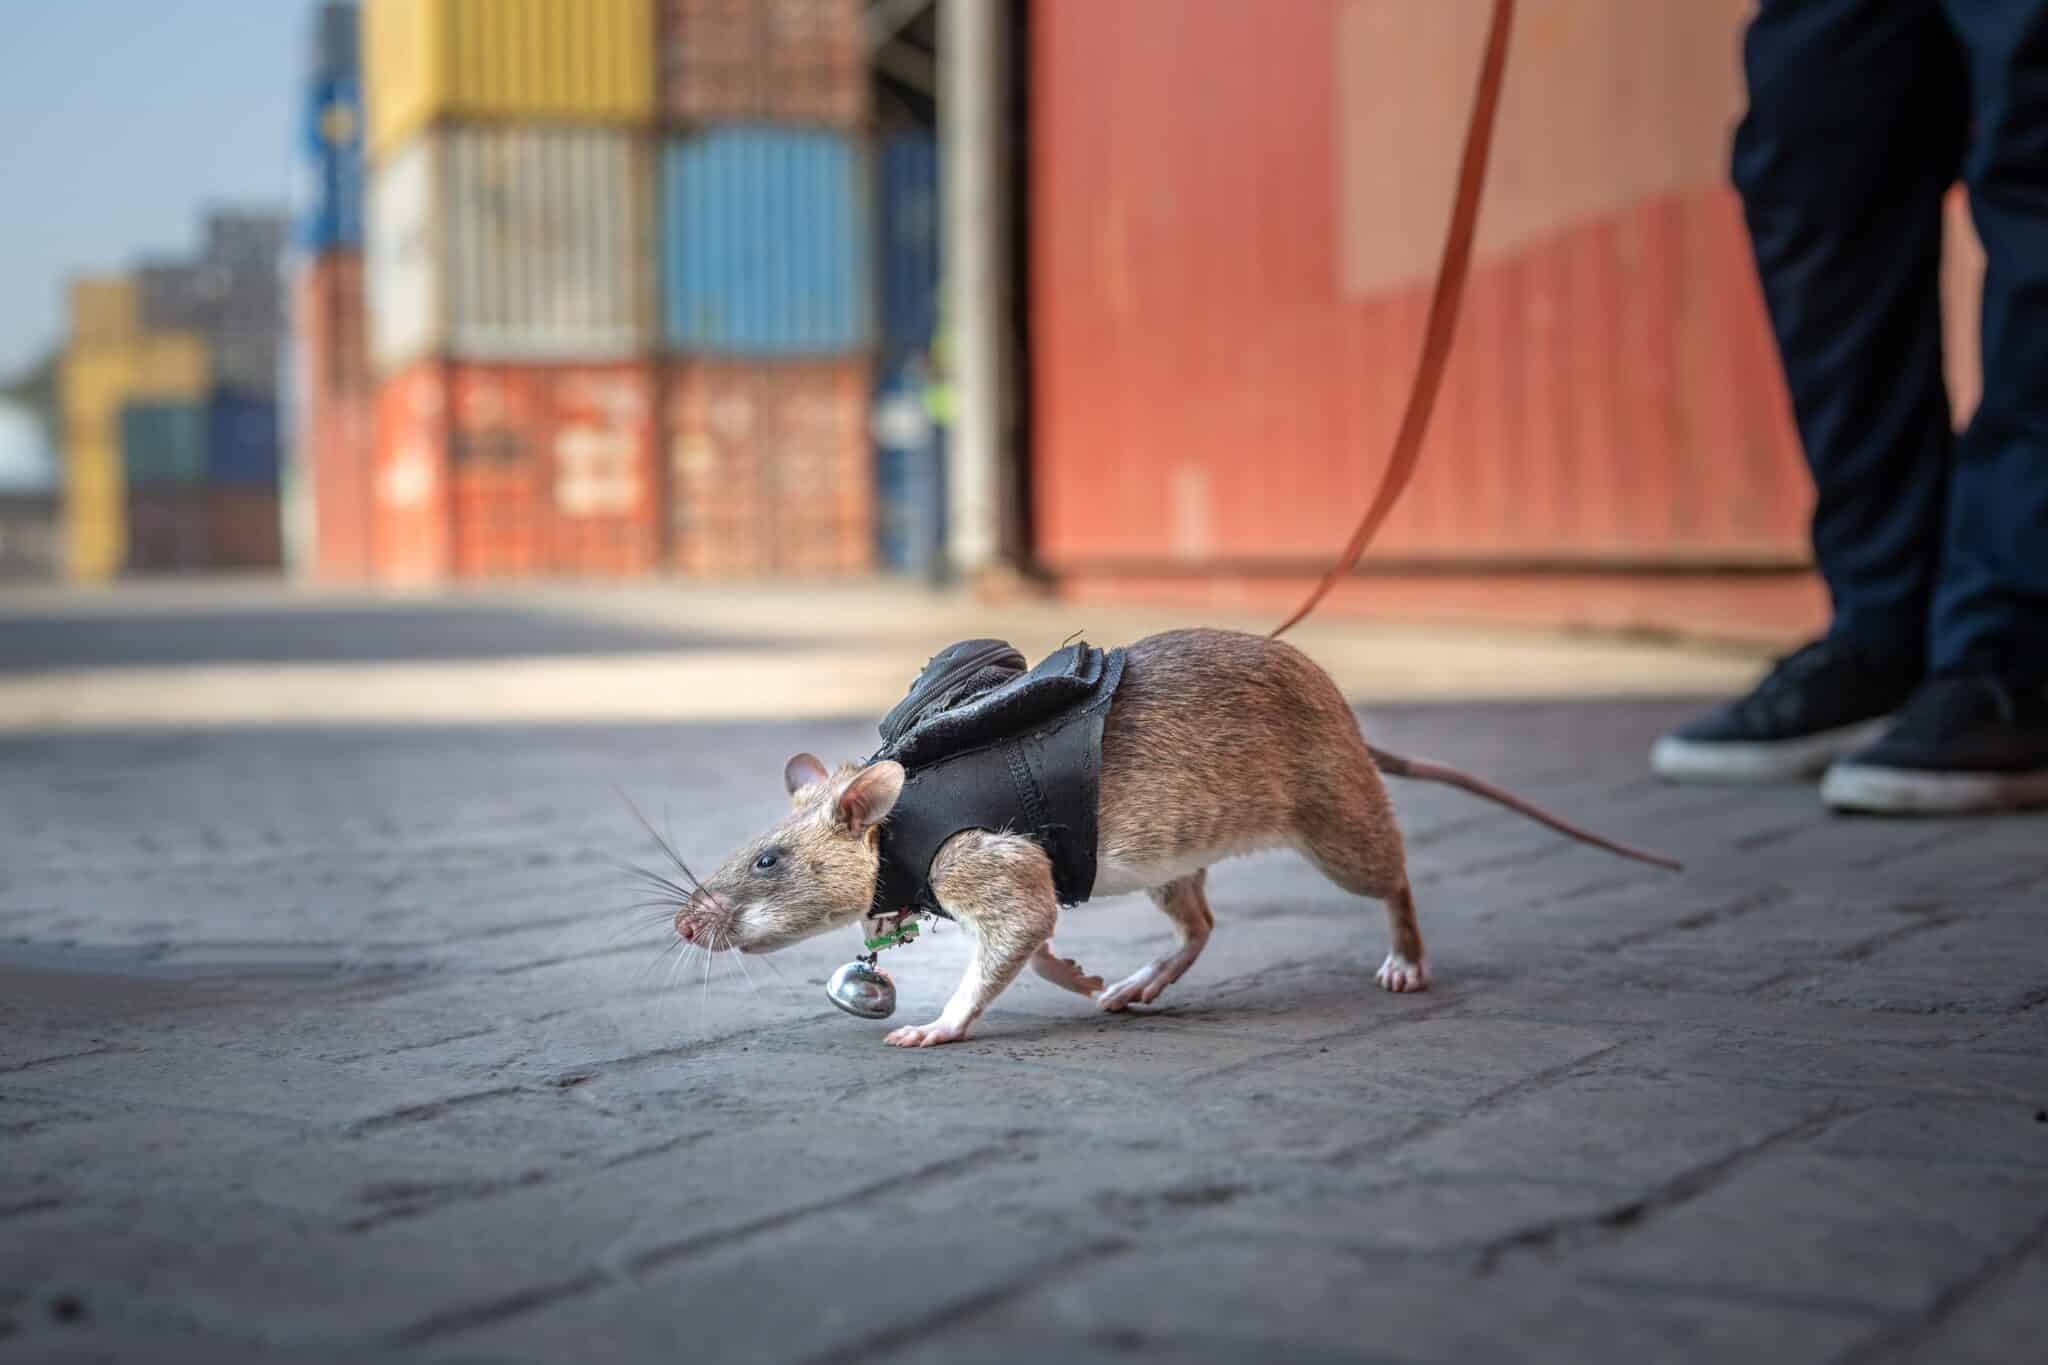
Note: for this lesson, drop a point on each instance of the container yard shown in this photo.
(602, 288)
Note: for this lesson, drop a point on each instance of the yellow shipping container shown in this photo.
(572, 60)
(97, 381)
(105, 310)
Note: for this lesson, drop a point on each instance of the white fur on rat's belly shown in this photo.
(1117, 876)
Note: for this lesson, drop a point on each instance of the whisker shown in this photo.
(654, 881)
(775, 971)
(704, 991)
(668, 848)
(742, 966)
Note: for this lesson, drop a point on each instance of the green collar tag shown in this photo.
(903, 933)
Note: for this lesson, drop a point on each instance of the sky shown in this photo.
(119, 121)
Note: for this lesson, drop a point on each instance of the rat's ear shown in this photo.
(801, 772)
(870, 796)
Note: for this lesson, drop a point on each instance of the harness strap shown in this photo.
(1443, 311)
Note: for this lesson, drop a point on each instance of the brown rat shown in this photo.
(1216, 744)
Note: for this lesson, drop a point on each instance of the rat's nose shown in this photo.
(684, 926)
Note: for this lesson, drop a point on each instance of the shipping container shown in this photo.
(104, 310)
(1228, 292)
(28, 535)
(332, 429)
(510, 244)
(242, 440)
(177, 296)
(411, 496)
(246, 243)
(765, 242)
(769, 466)
(330, 196)
(558, 60)
(231, 294)
(244, 529)
(910, 484)
(549, 469)
(166, 528)
(799, 61)
(908, 214)
(163, 441)
(604, 485)
(97, 381)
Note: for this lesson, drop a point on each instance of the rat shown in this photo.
(1216, 744)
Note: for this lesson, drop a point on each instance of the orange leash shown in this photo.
(1443, 311)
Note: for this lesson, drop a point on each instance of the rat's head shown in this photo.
(814, 871)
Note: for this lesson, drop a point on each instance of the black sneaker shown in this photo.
(1823, 701)
(1961, 745)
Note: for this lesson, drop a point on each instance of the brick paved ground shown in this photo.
(332, 1044)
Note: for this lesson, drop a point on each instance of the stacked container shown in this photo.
(135, 400)
(766, 286)
(331, 371)
(220, 509)
(509, 271)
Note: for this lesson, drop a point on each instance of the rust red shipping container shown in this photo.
(1228, 294)
(488, 470)
(334, 411)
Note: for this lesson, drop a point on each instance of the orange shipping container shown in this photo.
(491, 471)
(1232, 242)
(769, 467)
(411, 528)
(334, 406)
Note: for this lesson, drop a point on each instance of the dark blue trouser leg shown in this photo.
(1991, 601)
(1855, 129)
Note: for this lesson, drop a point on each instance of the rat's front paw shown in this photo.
(1397, 973)
(926, 1035)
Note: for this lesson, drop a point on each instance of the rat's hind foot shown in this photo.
(1403, 974)
(1145, 985)
(926, 1035)
(1064, 972)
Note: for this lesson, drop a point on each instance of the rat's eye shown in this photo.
(766, 862)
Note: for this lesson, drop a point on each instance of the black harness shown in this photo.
(988, 744)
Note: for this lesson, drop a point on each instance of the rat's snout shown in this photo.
(702, 920)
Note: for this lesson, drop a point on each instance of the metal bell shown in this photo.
(862, 989)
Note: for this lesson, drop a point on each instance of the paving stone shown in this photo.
(342, 1044)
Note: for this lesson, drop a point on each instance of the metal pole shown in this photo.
(974, 233)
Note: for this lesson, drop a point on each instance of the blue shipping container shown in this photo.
(909, 228)
(242, 441)
(331, 152)
(910, 482)
(163, 442)
(765, 242)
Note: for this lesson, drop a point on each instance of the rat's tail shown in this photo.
(1422, 770)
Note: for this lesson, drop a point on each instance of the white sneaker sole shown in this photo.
(1909, 791)
(1685, 760)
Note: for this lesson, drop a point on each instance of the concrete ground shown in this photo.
(326, 1031)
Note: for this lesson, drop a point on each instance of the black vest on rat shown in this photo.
(988, 744)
